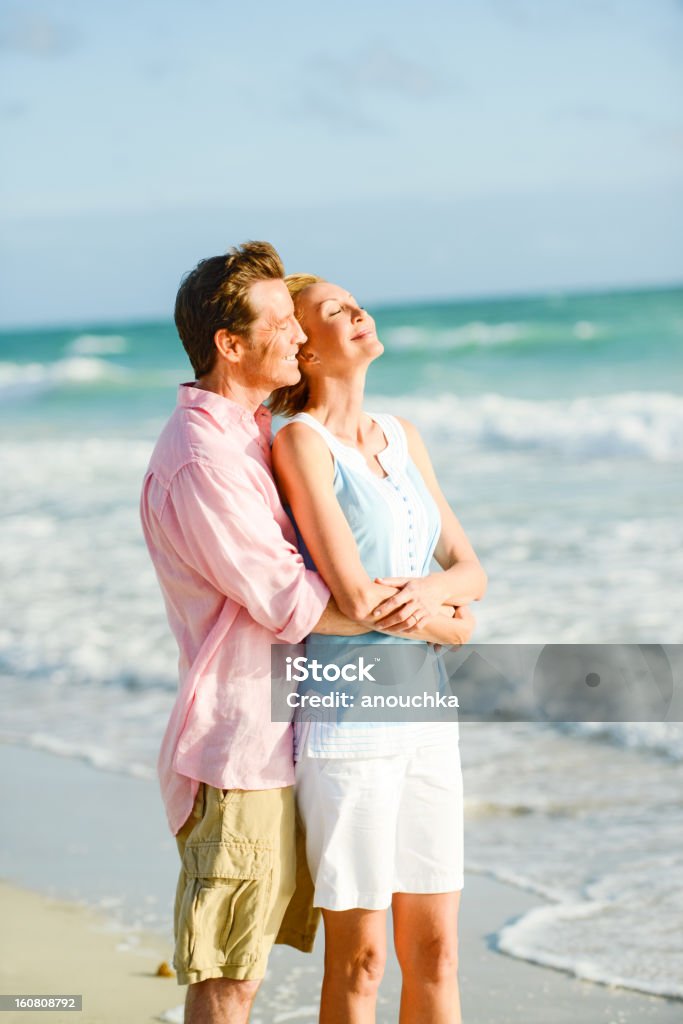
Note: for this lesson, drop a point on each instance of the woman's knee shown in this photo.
(432, 960)
(361, 969)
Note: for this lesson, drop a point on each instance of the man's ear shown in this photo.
(229, 346)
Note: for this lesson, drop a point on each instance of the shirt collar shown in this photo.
(223, 410)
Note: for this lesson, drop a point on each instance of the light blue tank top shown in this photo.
(396, 525)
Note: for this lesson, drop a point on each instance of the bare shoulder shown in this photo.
(299, 443)
(416, 445)
(412, 433)
(298, 436)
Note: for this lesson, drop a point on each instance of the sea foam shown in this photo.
(19, 380)
(633, 424)
(98, 345)
(597, 837)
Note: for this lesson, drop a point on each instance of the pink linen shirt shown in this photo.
(233, 582)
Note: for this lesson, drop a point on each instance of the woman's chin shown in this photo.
(370, 353)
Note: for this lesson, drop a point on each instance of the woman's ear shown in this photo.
(306, 355)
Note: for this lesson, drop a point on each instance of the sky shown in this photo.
(407, 150)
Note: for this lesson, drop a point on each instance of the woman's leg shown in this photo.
(355, 954)
(426, 941)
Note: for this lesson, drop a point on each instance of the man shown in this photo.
(233, 584)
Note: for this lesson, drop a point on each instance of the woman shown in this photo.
(382, 806)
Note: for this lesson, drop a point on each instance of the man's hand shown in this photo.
(464, 615)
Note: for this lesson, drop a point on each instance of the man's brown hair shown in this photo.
(215, 295)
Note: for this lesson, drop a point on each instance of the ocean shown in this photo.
(555, 425)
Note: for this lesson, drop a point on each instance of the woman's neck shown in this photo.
(338, 404)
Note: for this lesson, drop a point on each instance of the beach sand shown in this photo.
(51, 947)
(89, 871)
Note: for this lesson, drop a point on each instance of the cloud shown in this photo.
(539, 14)
(158, 68)
(336, 113)
(11, 109)
(649, 127)
(596, 112)
(352, 93)
(379, 70)
(665, 134)
(35, 35)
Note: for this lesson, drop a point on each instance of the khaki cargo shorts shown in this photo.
(244, 884)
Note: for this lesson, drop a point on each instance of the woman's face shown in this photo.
(341, 334)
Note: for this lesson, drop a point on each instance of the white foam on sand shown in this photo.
(175, 1016)
(543, 935)
(595, 829)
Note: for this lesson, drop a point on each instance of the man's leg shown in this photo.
(237, 877)
(220, 1001)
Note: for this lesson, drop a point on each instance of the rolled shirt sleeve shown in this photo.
(223, 527)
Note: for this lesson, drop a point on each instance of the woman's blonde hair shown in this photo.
(293, 399)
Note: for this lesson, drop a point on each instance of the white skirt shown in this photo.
(380, 825)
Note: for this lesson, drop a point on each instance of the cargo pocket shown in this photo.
(226, 904)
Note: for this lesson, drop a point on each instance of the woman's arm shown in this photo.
(463, 579)
(304, 470)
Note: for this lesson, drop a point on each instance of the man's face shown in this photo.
(275, 337)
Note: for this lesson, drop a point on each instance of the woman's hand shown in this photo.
(451, 628)
(418, 598)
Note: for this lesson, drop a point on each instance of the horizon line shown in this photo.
(379, 305)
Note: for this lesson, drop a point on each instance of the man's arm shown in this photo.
(332, 622)
(224, 529)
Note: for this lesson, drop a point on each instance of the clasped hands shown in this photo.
(415, 600)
